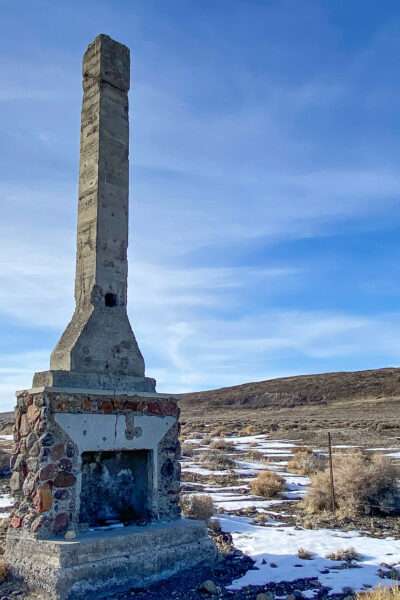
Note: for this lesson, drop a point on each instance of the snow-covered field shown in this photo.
(274, 544)
(258, 526)
(278, 546)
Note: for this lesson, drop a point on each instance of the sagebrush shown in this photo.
(380, 593)
(344, 554)
(365, 484)
(3, 570)
(267, 484)
(257, 456)
(305, 554)
(215, 459)
(222, 444)
(306, 462)
(188, 449)
(197, 506)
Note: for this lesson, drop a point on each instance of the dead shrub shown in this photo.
(197, 506)
(189, 477)
(304, 554)
(188, 449)
(261, 519)
(217, 432)
(3, 570)
(248, 430)
(380, 593)
(344, 554)
(256, 456)
(222, 444)
(318, 498)
(365, 484)
(306, 462)
(214, 459)
(230, 478)
(267, 484)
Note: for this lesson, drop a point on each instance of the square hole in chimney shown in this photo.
(110, 299)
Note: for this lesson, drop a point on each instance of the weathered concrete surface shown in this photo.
(93, 381)
(109, 561)
(99, 343)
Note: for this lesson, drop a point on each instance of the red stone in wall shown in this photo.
(43, 500)
(16, 522)
(106, 406)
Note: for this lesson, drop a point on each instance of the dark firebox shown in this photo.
(116, 486)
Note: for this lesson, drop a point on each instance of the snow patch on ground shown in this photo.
(279, 546)
(6, 501)
(274, 546)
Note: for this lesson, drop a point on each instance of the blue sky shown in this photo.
(265, 144)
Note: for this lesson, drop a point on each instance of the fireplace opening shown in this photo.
(116, 487)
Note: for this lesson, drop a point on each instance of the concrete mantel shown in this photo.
(106, 433)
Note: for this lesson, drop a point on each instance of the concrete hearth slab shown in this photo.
(104, 562)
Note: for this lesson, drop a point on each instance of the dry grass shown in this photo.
(189, 477)
(230, 478)
(304, 554)
(256, 456)
(217, 432)
(197, 506)
(224, 480)
(3, 570)
(365, 484)
(221, 444)
(248, 430)
(188, 449)
(344, 554)
(267, 484)
(260, 519)
(214, 459)
(380, 593)
(306, 462)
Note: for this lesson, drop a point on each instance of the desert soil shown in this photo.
(260, 538)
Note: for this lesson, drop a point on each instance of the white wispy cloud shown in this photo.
(213, 353)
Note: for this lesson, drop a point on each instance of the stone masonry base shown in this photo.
(104, 562)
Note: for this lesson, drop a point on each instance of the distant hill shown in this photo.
(360, 407)
(303, 390)
(6, 422)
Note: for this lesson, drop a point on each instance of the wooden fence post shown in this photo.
(333, 500)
